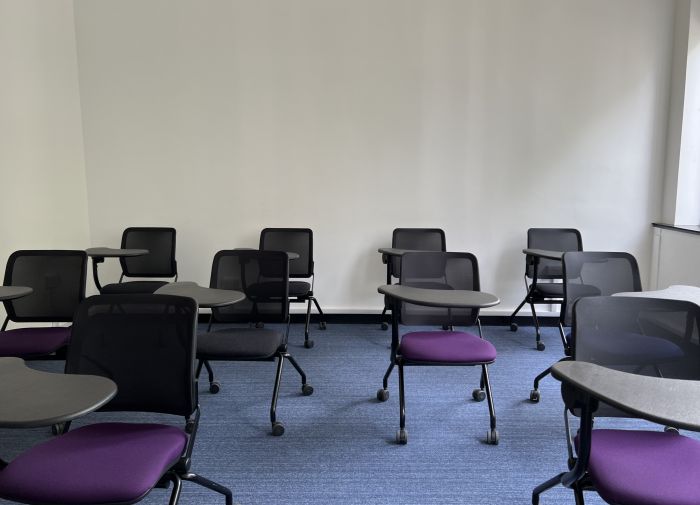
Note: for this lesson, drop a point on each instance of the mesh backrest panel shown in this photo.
(58, 281)
(646, 336)
(264, 278)
(439, 270)
(551, 239)
(419, 239)
(597, 274)
(144, 343)
(160, 260)
(298, 240)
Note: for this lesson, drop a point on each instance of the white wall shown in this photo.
(677, 256)
(354, 117)
(42, 166)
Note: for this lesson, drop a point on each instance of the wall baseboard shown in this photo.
(486, 320)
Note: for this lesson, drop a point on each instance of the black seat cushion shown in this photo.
(272, 289)
(239, 343)
(133, 287)
(549, 290)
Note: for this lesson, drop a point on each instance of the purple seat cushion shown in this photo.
(99, 463)
(645, 467)
(446, 346)
(24, 342)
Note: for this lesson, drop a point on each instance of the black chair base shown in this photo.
(306, 388)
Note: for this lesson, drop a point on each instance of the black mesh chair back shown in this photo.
(296, 240)
(264, 278)
(439, 270)
(57, 278)
(160, 260)
(597, 274)
(145, 343)
(551, 239)
(646, 336)
(419, 239)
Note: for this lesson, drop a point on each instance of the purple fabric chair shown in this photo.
(632, 467)
(147, 345)
(58, 281)
(440, 270)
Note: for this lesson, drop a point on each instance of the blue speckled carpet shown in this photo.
(339, 443)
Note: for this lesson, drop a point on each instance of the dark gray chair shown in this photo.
(413, 239)
(58, 281)
(264, 278)
(300, 241)
(146, 345)
(537, 270)
(158, 263)
(644, 336)
(590, 273)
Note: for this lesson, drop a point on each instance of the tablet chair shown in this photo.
(538, 269)
(264, 278)
(58, 281)
(419, 239)
(440, 270)
(644, 336)
(146, 344)
(589, 273)
(300, 241)
(159, 262)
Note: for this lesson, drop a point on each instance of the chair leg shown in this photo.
(308, 344)
(177, 487)
(401, 435)
(544, 487)
(214, 386)
(492, 435)
(200, 364)
(277, 427)
(538, 337)
(535, 393)
(513, 326)
(306, 389)
(321, 323)
(564, 343)
(214, 486)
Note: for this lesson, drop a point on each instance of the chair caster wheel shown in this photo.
(540, 346)
(307, 389)
(385, 326)
(57, 429)
(214, 387)
(513, 327)
(671, 429)
(479, 395)
(259, 325)
(445, 327)
(382, 395)
(308, 344)
(277, 429)
(402, 437)
(492, 437)
(534, 396)
(322, 325)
